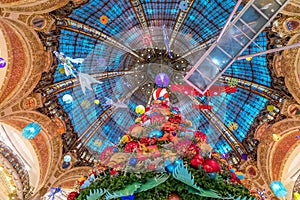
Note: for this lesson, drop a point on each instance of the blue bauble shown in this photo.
(212, 175)
(170, 168)
(156, 133)
(129, 197)
(31, 130)
(174, 111)
(167, 162)
(132, 161)
(115, 149)
(67, 158)
(178, 162)
(65, 165)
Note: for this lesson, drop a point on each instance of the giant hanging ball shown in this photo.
(2, 63)
(140, 109)
(162, 80)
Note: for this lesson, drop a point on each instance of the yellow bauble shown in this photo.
(125, 139)
(249, 58)
(296, 196)
(138, 120)
(96, 102)
(140, 109)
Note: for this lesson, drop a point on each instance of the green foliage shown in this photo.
(222, 186)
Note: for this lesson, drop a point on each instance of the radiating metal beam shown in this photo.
(103, 118)
(224, 130)
(139, 12)
(64, 85)
(255, 88)
(180, 20)
(269, 51)
(75, 26)
(198, 48)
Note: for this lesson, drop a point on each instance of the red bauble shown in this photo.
(72, 195)
(196, 161)
(208, 168)
(148, 141)
(192, 150)
(131, 146)
(200, 137)
(214, 165)
(152, 141)
(113, 172)
(144, 140)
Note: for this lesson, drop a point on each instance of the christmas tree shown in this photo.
(161, 157)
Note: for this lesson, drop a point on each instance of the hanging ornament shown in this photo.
(249, 58)
(104, 19)
(129, 197)
(212, 175)
(61, 70)
(270, 108)
(126, 138)
(131, 146)
(183, 5)
(140, 109)
(170, 168)
(2, 63)
(188, 37)
(278, 189)
(96, 101)
(155, 133)
(72, 195)
(296, 196)
(211, 165)
(31, 130)
(67, 158)
(244, 156)
(162, 80)
(85, 104)
(233, 126)
(65, 165)
(161, 92)
(81, 180)
(67, 99)
(132, 161)
(174, 196)
(196, 161)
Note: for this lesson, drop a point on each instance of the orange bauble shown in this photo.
(174, 196)
(104, 19)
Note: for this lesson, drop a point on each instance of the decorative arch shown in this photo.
(70, 176)
(25, 63)
(47, 143)
(23, 149)
(275, 157)
(290, 68)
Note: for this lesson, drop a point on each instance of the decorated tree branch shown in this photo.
(161, 157)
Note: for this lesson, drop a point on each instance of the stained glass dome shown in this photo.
(139, 40)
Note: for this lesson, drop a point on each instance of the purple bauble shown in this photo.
(2, 63)
(162, 80)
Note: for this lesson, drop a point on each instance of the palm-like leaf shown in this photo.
(128, 190)
(96, 194)
(182, 174)
(153, 182)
